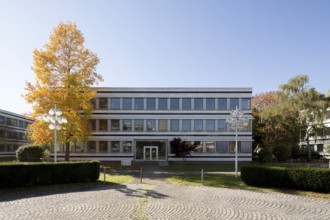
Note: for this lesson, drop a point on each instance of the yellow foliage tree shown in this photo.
(65, 72)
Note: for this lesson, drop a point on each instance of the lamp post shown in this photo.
(56, 120)
(236, 121)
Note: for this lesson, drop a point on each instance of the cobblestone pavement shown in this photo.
(155, 199)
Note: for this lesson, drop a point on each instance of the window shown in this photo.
(210, 125)
(127, 124)
(247, 127)
(199, 148)
(127, 103)
(198, 104)
(2, 120)
(222, 104)
(115, 125)
(127, 146)
(210, 103)
(138, 104)
(92, 124)
(151, 125)
(186, 104)
(162, 104)
(93, 103)
(138, 125)
(222, 125)
(103, 124)
(103, 103)
(198, 125)
(91, 146)
(233, 103)
(79, 147)
(115, 103)
(222, 146)
(174, 125)
(186, 125)
(232, 146)
(115, 147)
(209, 146)
(319, 148)
(103, 146)
(246, 146)
(162, 125)
(174, 104)
(151, 103)
(246, 104)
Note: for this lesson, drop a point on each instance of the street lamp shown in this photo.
(56, 120)
(237, 120)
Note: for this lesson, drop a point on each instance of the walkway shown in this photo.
(157, 199)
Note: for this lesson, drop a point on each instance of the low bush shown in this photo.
(302, 178)
(30, 153)
(25, 174)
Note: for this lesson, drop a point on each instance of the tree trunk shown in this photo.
(308, 148)
(67, 151)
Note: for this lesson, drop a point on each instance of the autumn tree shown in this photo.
(65, 71)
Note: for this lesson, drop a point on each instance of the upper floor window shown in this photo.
(210, 103)
(151, 103)
(186, 125)
(103, 124)
(222, 125)
(93, 103)
(138, 124)
(2, 120)
(127, 103)
(162, 104)
(103, 146)
(233, 103)
(246, 104)
(198, 104)
(174, 125)
(91, 146)
(198, 125)
(222, 104)
(162, 125)
(151, 125)
(245, 146)
(138, 103)
(174, 104)
(210, 125)
(115, 103)
(115, 125)
(222, 146)
(186, 104)
(209, 146)
(127, 124)
(103, 103)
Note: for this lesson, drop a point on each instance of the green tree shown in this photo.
(65, 70)
(308, 105)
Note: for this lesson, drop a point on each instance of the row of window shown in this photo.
(203, 147)
(13, 122)
(4, 134)
(173, 103)
(162, 125)
(9, 147)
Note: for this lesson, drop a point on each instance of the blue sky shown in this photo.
(174, 43)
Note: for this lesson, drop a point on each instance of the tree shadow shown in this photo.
(140, 192)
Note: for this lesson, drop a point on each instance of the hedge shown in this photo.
(28, 174)
(302, 178)
(30, 153)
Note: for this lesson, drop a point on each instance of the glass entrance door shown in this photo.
(150, 153)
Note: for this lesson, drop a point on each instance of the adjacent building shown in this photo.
(12, 133)
(137, 124)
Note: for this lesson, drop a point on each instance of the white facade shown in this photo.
(137, 124)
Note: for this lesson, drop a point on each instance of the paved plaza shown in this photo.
(156, 199)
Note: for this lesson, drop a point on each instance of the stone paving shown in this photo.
(157, 199)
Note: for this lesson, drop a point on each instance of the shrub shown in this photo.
(282, 152)
(25, 174)
(265, 155)
(303, 178)
(30, 153)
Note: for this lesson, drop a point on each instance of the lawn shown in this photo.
(115, 178)
(230, 167)
(229, 181)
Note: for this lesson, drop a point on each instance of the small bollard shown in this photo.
(104, 174)
(141, 170)
(202, 176)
